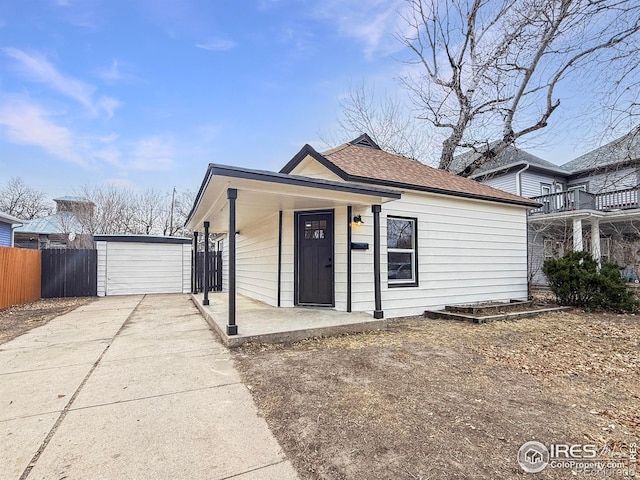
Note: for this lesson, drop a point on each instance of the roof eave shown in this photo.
(203, 186)
(284, 178)
(510, 166)
(309, 151)
(299, 180)
(6, 218)
(524, 202)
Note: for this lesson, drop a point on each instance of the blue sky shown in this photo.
(146, 93)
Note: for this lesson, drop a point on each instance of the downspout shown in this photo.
(519, 179)
(12, 227)
(519, 193)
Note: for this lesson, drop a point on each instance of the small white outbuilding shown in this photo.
(139, 264)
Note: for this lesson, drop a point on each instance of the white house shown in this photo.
(360, 229)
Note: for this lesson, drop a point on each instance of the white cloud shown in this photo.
(217, 44)
(111, 155)
(26, 123)
(371, 22)
(115, 72)
(109, 105)
(38, 69)
(152, 154)
(121, 182)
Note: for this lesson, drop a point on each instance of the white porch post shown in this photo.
(595, 240)
(577, 235)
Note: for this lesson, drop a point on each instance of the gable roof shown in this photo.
(620, 150)
(508, 158)
(364, 164)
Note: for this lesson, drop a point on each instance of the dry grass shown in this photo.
(19, 319)
(441, 399)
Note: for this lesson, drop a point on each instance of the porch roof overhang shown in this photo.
(612, 216)
(262, 193)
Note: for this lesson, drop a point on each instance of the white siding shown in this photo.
(257, 261)
(309, 167)
(224, 245)
(362, 297)
(127, 268)
(286, 289)
(101, 248)
(468, 251)
(505, 182)
(187, 256)
(340, 258)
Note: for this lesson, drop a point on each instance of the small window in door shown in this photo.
(315, 230)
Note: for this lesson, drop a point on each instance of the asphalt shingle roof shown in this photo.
(510, 156)
(377, 166)
(621, 149)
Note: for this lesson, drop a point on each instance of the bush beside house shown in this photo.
(577, 281)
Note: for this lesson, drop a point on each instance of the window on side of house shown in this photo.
(553, 248)
(402, 260)
(545, 189)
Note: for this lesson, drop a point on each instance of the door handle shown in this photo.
(329, 265)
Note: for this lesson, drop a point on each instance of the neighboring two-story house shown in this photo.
(589, 203)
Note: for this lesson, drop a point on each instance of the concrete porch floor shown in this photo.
(259, 322)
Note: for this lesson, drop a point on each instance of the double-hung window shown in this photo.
(402, 259)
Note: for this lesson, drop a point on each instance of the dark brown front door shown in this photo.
(314, 252)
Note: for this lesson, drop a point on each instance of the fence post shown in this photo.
(205, 300)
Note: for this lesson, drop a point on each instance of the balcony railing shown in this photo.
(581, 200)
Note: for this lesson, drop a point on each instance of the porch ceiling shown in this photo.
(261, 194)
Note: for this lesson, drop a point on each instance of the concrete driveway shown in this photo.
(132, 387)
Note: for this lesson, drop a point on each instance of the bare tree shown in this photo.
(484, 73)
(22, 201)
(387, 120)
(119, 210)
(150, 207)
(177, 216)
(491, 69)
(114, 210)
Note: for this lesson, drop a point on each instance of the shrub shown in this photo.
(576, 280)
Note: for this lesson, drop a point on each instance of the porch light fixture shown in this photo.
(357, 220)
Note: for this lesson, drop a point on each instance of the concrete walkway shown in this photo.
(129, 388)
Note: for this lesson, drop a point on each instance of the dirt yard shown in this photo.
(18, 319)
(435, 399)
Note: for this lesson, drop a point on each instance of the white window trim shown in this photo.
(413, 281)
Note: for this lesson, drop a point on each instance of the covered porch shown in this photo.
(263, 323)
(265, 217)
(612, 237)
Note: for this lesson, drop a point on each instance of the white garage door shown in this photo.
(136, 268)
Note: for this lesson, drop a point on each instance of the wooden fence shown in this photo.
(19, 276)
(69, 273)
